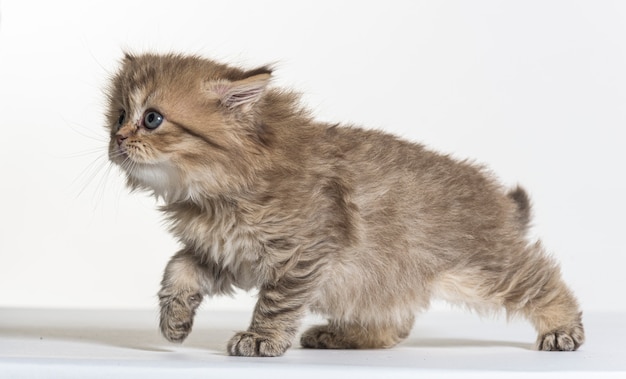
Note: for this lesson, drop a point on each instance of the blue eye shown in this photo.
(152, 119)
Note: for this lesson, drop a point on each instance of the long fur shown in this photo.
(354, 224)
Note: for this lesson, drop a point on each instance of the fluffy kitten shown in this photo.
(353, 224)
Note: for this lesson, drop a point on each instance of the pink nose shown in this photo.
(120, 139)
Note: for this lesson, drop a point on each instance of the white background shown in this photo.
(534, 89)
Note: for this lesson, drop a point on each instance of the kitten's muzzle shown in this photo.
(120, 139)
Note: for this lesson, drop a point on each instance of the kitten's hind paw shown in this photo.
(250, 344)
(321, 337)
(561, 339)
(177, 313)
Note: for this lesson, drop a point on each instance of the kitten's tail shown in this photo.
(521, 199)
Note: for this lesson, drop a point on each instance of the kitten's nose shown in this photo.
(120, 139)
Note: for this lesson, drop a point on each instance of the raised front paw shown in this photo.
(568, 339)
(250, 344)
(177, 313)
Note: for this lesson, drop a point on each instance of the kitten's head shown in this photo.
(182, 126)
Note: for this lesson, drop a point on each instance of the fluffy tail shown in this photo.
(521, 199)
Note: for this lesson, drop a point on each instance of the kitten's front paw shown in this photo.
(177, 314)
(562, 339)
(250, 344)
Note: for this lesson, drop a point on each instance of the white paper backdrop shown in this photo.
(534, 89)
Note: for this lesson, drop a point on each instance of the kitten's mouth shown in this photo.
(124, 159)
(120, 155)
(123, 153)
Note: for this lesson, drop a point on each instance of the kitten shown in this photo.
(353, 224)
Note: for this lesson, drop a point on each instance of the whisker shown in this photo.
(117, 154)
(86, 132)
(101, 186)
(95, 150)
(89, 173)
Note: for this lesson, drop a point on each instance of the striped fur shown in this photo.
(356, 225)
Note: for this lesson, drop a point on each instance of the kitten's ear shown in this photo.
(239, 94)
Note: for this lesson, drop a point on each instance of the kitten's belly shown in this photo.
(354, 295)
(372, 284)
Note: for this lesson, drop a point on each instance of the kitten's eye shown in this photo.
(152, 119)
(121, 119)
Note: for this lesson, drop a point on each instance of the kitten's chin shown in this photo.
(162, 179)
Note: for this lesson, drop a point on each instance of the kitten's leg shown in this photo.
(356, 335)
(276, 318)
(181, 293)
(558, 320)
(541, 295)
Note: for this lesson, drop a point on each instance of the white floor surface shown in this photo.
(453, 344)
